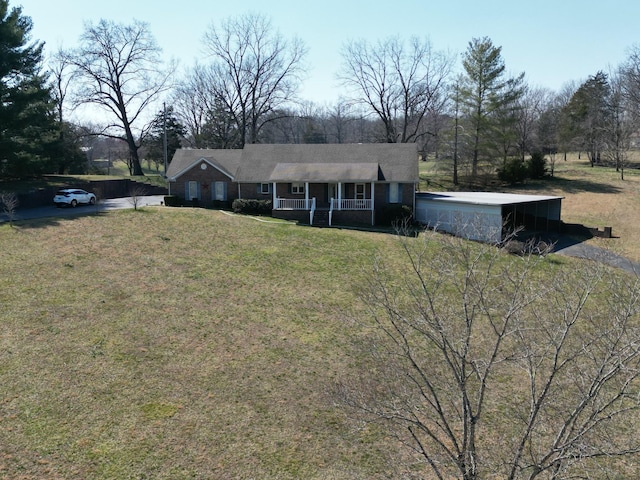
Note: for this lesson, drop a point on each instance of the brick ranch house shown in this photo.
(338, 183)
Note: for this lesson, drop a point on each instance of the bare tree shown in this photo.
(254, 71)
(136, 194)
(630, 73)
(533, 103)
(337, 122)
(197, 108)
(9, 203)
(489, 365)
(619, 126)
(119, 69)
(398, 84)
(61, 67)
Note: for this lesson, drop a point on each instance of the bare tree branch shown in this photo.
(119, 70)
(485, 366)
(400, 85)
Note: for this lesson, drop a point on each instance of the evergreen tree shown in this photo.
(155, 140)
(220, 129)
(488, 98)
(27, 122)
(588, 113)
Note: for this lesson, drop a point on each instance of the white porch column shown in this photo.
(275, 196)
(373, 203)
(306, 195)
(339, 195)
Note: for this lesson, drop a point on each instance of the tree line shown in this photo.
(470, 116)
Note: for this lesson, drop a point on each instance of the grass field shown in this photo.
(186, 343)
(179, 343)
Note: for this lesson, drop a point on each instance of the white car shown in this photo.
(73, 197)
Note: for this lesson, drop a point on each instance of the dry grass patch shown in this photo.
(186, 343)
(178, 343)
(597, 197)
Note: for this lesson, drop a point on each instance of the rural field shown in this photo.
(178, 343)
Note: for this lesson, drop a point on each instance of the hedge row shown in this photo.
(252, 207)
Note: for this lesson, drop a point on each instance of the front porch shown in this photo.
(337, 200)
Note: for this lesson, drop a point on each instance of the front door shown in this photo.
(360, 195)
(332, 192)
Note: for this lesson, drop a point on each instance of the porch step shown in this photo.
(321, 218)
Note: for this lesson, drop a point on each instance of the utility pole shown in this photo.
(164, 137)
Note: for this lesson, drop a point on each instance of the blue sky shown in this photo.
(553, 42)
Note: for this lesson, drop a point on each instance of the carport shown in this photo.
(487, 216)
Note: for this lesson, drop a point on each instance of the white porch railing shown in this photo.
(351, 204)
(294, 203)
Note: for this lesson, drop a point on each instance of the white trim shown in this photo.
(195, 164)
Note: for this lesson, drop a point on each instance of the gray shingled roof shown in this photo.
(257, 163)
(397, 162)
(227, 161)
(324, 172)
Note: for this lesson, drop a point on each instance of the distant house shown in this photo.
(333, 183)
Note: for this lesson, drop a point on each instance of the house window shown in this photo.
(220, 191)
(297, 188)
(394, 193)
(265, 188)
(192, 191)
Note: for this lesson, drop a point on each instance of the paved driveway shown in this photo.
(589, 252)
(101, 206)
